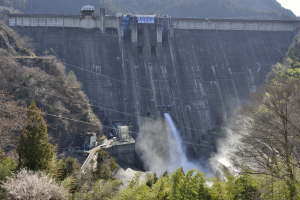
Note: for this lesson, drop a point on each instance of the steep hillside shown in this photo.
(12, 44)
(266, 9)
(222, 9)
(264, 5)
(4, 11)
(43, 80)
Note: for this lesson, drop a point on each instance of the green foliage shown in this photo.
(97, 182)
(112, 164)
(296, 65)
(7, 167)
(102, 170)
(235, 187)
(72, 75)
(275, 189)
(189, 186)
(102, 190)
(149, 180)
(71, 81)
(290, 69)
(296, 39)
(178, 186)
(72, 184)
(87, 116)
(165, 173)
(30, 76)
(272, 128)
(294, 50)
(61, 170)
(137, 191)
(2, 155)
(155, 179)
(34, 148)
(193, 185)
(72, 166)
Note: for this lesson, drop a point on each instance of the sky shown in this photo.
(293, 5)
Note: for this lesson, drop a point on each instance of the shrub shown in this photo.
(7, 168)
(71, 81)
(103, 190)
(30, 185)
(87, 116)
(296, 65)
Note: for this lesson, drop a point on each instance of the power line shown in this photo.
(131, 85)
(97, 106)
(123, 83)
(188, 143)
(119, 80)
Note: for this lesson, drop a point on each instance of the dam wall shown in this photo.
(76, 21)
(235, 24)
(65, 21)
(200, 76)
(125, 152)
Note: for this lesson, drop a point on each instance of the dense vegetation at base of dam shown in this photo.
(262, 9)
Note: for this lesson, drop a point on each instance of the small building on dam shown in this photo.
(134, 68)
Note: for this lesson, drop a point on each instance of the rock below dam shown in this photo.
(199, 77)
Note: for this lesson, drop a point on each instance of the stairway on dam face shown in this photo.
(212, 72)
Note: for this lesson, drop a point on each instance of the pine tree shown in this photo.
(34, 148)
(155, 179)
(103, 171)
(165, 173)
(61, 170)
(72, 166)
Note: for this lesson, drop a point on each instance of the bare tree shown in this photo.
(12, 120)
(270, 130)
(30, 185)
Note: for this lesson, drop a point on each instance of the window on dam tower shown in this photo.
(140, 50)
(153, 50)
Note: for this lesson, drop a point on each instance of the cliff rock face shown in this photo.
(199, 77)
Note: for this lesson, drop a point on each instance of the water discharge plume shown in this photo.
(225, 148)
(177, 153)
(161, 147)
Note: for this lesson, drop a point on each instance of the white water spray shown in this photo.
(177, 153)
(175, 148)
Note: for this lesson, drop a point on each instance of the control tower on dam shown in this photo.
(133, 67)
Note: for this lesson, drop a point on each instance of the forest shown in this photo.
(263, 9)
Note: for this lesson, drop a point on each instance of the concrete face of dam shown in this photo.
(200, 77)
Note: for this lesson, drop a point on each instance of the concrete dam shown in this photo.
(199, 71)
